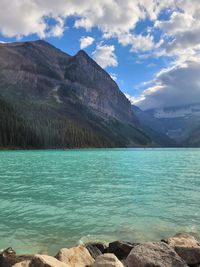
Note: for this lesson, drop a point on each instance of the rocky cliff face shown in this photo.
(97, 89)
(37, 79)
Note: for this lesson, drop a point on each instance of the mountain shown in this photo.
(153, 127)
(49, 99)
(180, 123)
(148, 120)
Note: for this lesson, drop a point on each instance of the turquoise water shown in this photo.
(55, 198)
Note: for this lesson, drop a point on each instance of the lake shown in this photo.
(58, 198)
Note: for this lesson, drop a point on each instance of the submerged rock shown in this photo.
(46, 261)
(75, 257)
(154, 255)
(107, 260)
(186, 246)
(121, 249)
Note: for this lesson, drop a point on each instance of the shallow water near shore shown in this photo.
(59, 198)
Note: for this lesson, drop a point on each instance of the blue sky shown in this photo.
(148, 46)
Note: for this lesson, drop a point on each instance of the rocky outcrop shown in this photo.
(154, 255)
(186, 246)
(75, 257)
(107, 260)
(121, 249)
(46, 261)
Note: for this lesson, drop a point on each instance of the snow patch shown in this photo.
(180, 112)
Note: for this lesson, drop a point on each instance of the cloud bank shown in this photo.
(112, 17)
(175, 86)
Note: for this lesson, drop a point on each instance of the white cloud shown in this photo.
(137, 42)
(179, 22)
(104, 55)
(58, 29)
(86, 41)
(20, 18)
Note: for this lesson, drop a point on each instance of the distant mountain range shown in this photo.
(49, 99)
(181, 124)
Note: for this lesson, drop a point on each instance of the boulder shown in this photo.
(186, 246)
(96, 248)
(121, 249)
(75, 257)
(107, 260)
(93, 250)
(46, 261)
(156, 254)
(7, 257)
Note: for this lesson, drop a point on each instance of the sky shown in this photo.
(151, 48)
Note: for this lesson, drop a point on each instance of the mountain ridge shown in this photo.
(66, 101)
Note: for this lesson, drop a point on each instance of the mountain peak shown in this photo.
(83, 54)
(41, 42)
(84, 58)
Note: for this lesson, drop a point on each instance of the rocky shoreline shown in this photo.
(181, 250)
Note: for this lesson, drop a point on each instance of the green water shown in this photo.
(52, 199)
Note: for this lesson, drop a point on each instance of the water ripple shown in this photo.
(50, 199)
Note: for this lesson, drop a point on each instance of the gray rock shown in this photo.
(107, 260)
(186, 246)
(154, 255)
(121, 249)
